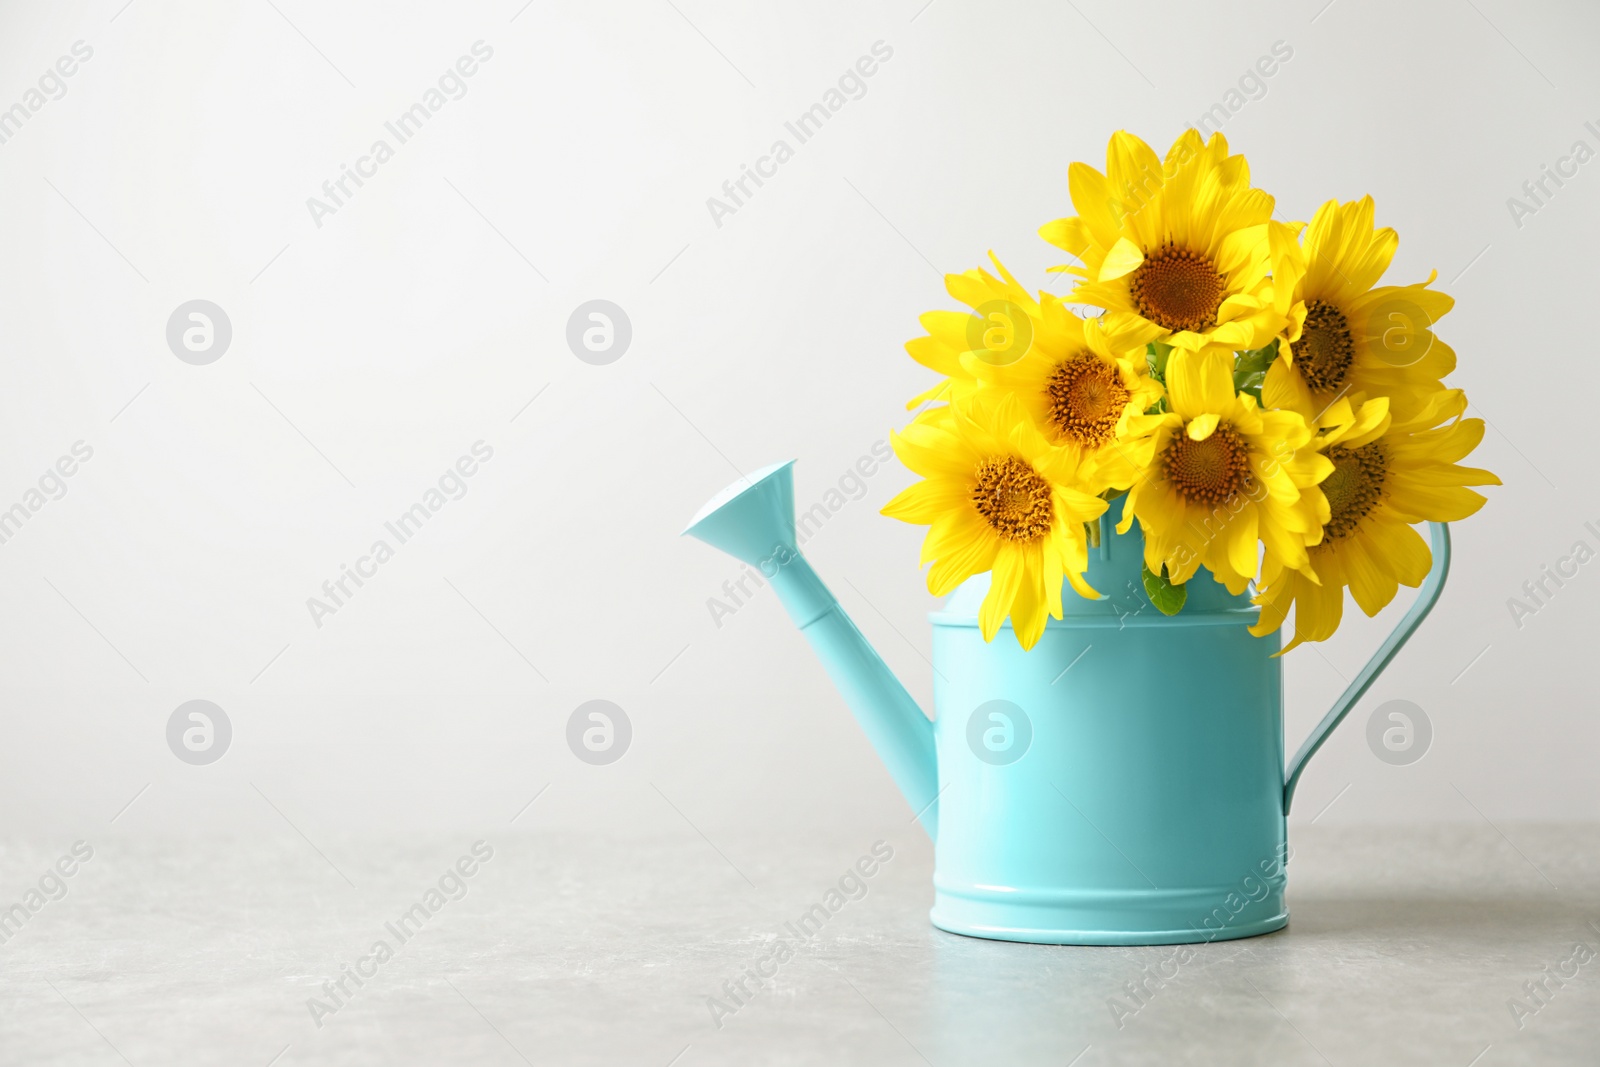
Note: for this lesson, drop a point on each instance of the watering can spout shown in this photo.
(753, 521)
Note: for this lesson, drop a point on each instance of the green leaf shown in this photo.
(1167, 597)
(1250, 368)
(1156, 355)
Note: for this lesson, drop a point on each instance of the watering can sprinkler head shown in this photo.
(753, 521)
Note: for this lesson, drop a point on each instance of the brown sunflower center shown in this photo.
(1326, 348)
(1177, 289)
(1084, 398)
(1210, 471)
(1012, 498)
(1354, 488)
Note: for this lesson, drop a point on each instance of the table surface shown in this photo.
(1406, 945)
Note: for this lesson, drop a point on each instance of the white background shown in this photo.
(369, 353)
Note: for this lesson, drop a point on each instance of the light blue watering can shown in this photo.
(1121, 783)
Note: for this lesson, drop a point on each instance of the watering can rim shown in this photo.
(1081, 611)
(1228, 617)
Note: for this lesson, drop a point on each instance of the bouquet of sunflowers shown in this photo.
(1268, 410)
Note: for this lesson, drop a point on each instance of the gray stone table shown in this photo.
(1406, 945)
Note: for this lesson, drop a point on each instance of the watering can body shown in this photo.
(1120, 783)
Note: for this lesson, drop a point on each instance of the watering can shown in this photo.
(1121, 783)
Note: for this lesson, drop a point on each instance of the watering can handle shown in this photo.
(1427, 596)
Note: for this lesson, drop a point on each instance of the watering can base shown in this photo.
(1131, 922)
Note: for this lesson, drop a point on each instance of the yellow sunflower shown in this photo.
(1387, 474)
(999, 329)
(1346, 334)
(1078, 388)
(1174, 251)
(996, 496)
(1224, 477)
